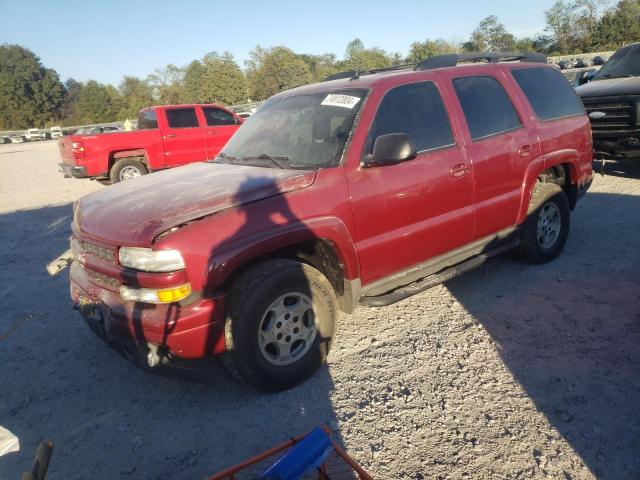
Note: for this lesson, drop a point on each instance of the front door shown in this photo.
(183, 137)
(220, 125)
(407, 213)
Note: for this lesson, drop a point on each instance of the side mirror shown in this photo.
(390, 149)
(585, 76)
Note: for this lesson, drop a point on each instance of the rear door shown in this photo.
(183, 137)
(410, 212)
(220, 125)
(500, 148)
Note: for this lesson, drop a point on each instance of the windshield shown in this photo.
(624, 63)
(306, 131)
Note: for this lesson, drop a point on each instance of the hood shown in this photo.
(610, 88)
(135, 212)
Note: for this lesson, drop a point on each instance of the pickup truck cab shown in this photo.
(360, 190)
(167, 136)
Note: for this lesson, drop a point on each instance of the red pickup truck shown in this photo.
(360, 190)
(167, 136)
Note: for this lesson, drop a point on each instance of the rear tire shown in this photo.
(126, 169)
(280, 323)
(547, 225)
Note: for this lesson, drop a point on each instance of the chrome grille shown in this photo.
(620, 113)
(103, 253)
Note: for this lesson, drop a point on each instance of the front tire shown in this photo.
(126, 169)
(281, 320)
(547, 226)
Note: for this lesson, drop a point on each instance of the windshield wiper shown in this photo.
(223, 156)
(279, 162)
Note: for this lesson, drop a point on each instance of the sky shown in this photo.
(107, 39)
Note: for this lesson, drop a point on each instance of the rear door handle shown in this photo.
(525, 150)
(170, 135)
(459, 170)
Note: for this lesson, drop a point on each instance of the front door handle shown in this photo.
(459, 170)
(170, 135)
(525, 150)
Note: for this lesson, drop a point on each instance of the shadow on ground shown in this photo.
(571, 338)
(105, 416)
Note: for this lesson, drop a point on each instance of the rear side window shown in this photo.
(417, 110)
(548, 92)
(182, 117)
(147, 119)
(215, 116)
(486, 106)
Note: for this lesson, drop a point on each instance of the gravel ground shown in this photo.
(511, 371)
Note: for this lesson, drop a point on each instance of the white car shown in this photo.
(56, 132)
(17, 139)
(34, 134)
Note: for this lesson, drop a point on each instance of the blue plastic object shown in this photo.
(306, 455)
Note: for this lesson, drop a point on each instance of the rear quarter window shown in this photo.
(548, 92)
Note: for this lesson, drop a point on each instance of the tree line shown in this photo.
(33, 95)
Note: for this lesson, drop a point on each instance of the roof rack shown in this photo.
(354, 74)
(451, 60)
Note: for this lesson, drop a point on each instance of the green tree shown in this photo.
(135, 94)
(561, 24)
(359, 58)
(420, 50)
(274, 70)
(320, 66)
(98, 103)
(490, 35)
(221, 80)
(167, 85)
(30, 94)
(619, 26)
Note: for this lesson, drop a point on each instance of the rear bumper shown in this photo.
(187, 331)
(74, 171)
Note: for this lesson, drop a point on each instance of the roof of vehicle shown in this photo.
(186, 105)
(370, 79)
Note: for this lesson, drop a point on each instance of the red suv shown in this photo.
(360, 190)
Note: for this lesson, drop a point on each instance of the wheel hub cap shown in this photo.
(549, 224)
(287, 329)
(129, 172)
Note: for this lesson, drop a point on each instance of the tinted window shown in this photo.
(548, 92)
(486, 106)
(215, 116)
(182, 118)
(416, 110)
(147, 119)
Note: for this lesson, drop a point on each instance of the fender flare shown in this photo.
(232, 256)
(540, 164)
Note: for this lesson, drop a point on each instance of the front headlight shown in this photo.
(149, 260)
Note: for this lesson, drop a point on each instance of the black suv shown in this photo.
(612, 100)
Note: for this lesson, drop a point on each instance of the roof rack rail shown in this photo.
(451, 60)
(356, 73)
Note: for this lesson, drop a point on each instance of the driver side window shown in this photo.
(417, 110)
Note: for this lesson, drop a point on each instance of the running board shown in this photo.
(426, 283)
